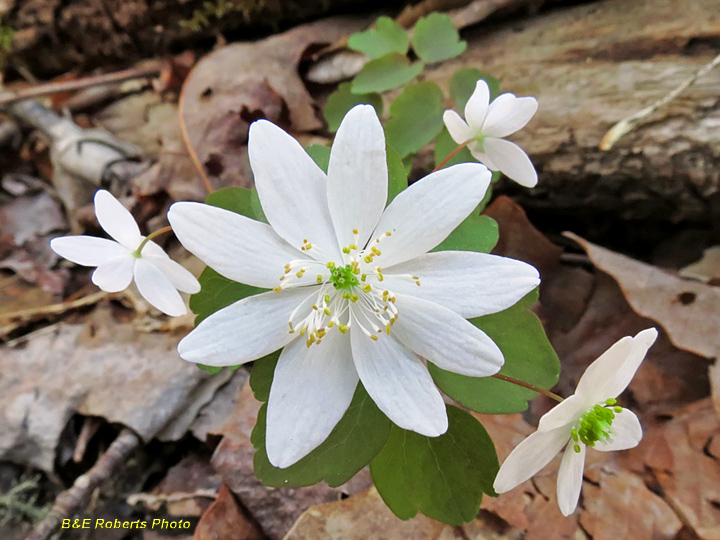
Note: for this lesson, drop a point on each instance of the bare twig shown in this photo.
(71, 501)
(78, 84)
(411, 14)
(186, 138)
(626, 125)
(155, 502)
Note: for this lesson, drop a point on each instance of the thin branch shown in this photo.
(78, 84)
(529, 386)
(626, 125)
(71, 501)
(188, 143)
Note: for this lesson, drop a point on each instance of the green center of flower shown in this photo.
(596, 424)
(344, 277)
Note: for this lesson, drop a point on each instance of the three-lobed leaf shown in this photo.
(435, 38)
(463, 82)
(385, 73)
(443, 477)
(415, 118)
(528, 355)
(352, 444)
(386, 37)
(342, 100)
(476, 233)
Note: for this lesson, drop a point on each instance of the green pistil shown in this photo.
(343, 277)
(596, 424)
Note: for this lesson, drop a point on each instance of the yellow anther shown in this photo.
(308, 246)
(354, 297)
(327, 298)
(367, 288)
(331, 324)
(330, 265)
(303, 330)
(346, 295)
(363, 277)
(343, 328)
(319, 278)
(376, 251)
(327, 312)
(282, 277)
(314, 307)
(346, 250)
(417, 283)
(300, 272)
(277, 289)
(387, 328)
(388, 234)
(355, 231)
(321, 332)
(352, 246)
(373, 337)
(368, 259)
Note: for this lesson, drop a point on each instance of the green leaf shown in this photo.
(444, 145)
(476, 233)
(261, 375)
(463, 82)
(442, 477)
(386, 37)
(235, 199)
(342, 100)
(529, 357)
(415, 118)
(436, 39)
(217, 292)
(320, 155)
(397, 175)
(352, 444)
(385, 73)
(258, 212)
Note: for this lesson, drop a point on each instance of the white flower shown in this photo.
(158, 277)
(356, 295)
(487, 124)
(590, 417)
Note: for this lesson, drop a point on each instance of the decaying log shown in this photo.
(594, 64)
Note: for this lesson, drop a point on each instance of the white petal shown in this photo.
(311, 390)
(529, 457)
(610, 374)
(627, 433)
(570, 478)
(471, 284)
(244, 331)
(178, 275)
(237, 247)
(115, 274)
(445, 338)
(476, 151)
(157, 289)
(86, 250)
(508, 114)
(116, 220)
(292, 189)
(357, 175)
(456, 126)
(511, 160)
(567, 412)
(477, 106)
(423, 215)
(399, 384)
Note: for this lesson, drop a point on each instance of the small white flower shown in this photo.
(590, 417)
(487, 123)
(356, 295)
(158, 277)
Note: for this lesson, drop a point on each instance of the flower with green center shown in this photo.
(355, 294)
(590, 417)
(487, 124)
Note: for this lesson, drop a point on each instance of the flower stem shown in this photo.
(149, 237)
(529, 386)
(451, 155)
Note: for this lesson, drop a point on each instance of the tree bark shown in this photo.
(592, 65)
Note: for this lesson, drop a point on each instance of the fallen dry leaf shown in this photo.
(101, 368)
(224, 519)
(243, 82)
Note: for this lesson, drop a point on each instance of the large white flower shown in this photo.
(590, 417)
(356, 295)
(486, 124)
(157, 276)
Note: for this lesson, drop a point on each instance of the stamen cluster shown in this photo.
(596, 424)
